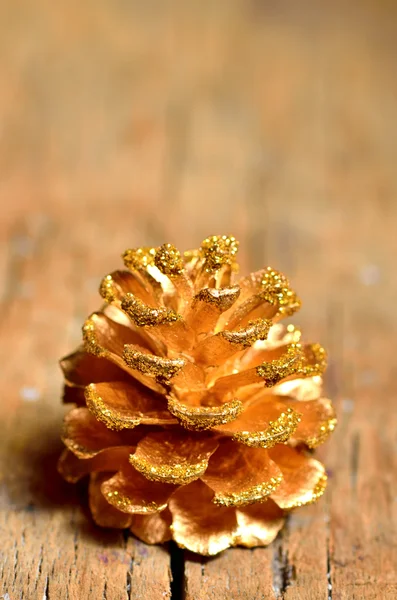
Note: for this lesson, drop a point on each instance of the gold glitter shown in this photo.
(222, 298)
(146, 316)
(163, 369)
(314, 361)
(278, 432)
(90, 341)
(219, 250)
(108, 289)
(204, 417)
(78, 449)
(314, 495)
(110, 418)
(171, 456)
(276, 289)
(256, 493)
(325, 429)
(179, 474)
(246, 336)
(123, 503)
(190, 255)
(294, 334)
(288, 364)
(138, 259)
(168, 260)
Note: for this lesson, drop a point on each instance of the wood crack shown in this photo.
(105, 590)
(16, 557)
(129, 581)
(128, 584)
(329, 576)
(177, 566)
(284, 572)
(46, 595)
(328, 550)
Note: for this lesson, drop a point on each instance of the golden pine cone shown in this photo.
(195, 407)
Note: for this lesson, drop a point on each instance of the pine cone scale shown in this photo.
(111, 404)
(235, 485)
(132, 493)
(173, 456)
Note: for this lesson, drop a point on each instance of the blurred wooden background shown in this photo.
(129, 122)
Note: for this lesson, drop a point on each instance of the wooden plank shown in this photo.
(238, 573)
(134, 123)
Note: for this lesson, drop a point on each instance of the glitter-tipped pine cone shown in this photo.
(196, 409)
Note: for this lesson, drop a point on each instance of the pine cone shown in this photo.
(195, 406)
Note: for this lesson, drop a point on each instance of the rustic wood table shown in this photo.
(128, 123)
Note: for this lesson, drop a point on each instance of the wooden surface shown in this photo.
(125, 123)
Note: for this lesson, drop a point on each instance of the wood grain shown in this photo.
(129, 123)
